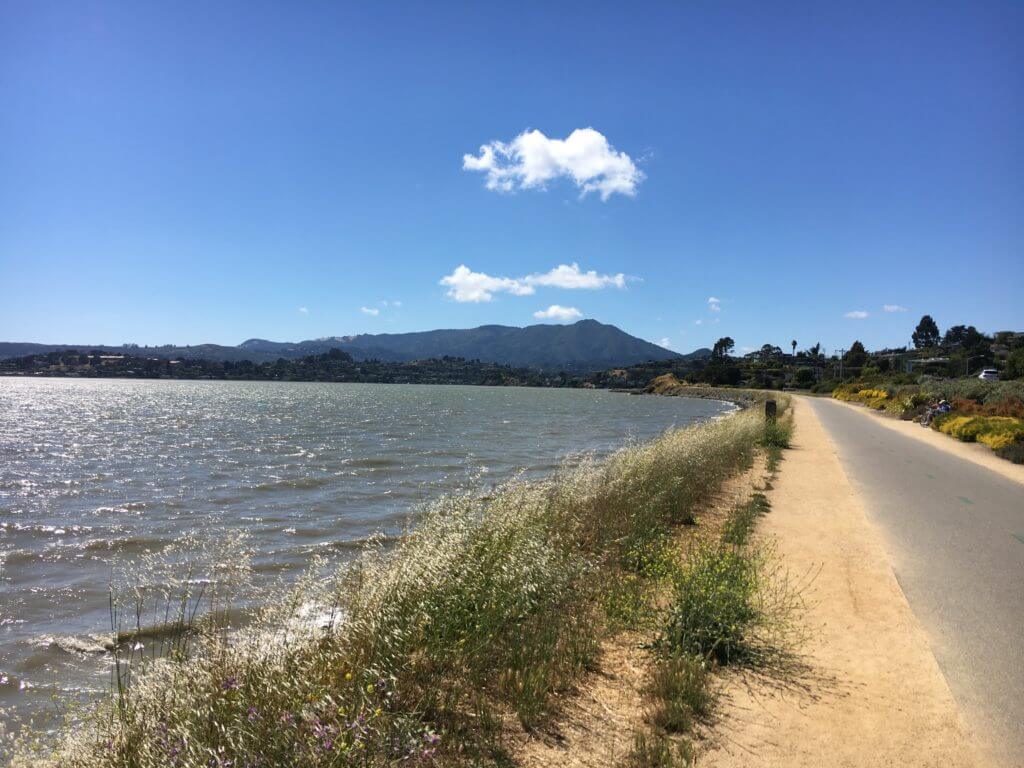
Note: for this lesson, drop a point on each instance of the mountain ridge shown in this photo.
(587, 345)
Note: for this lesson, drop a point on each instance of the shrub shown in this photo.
(679, 687)
(714, 603)
(1013, 452)
(778, 433)
(997, 432)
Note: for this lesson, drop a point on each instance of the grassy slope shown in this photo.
(483, 611)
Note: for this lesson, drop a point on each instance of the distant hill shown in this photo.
(584, 346)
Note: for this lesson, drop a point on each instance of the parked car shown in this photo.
(989, 374)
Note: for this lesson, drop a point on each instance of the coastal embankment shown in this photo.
(483, 614)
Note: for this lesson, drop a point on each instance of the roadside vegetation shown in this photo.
(420, 653)
(991, 413)
(727, 605)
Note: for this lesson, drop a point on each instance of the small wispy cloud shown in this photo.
(531, 160)
(706, 321)
(665, 342)
(393, 303)
(715, 305)
(856, 314)
(558, 312)
(893, 308)
(303, 310)
(465, 285)
(372, 311)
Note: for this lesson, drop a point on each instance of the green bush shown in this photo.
(778, 433)
(1015, 364)
(715, 604)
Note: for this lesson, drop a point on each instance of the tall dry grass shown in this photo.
(480, 613)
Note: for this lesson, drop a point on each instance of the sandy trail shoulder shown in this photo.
(873, 694)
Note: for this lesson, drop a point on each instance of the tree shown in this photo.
(805, 377)
(856, 355)
(963, 336)
(815, 351)
(926, 334)
(722, 348)
(1015, 364)
(793, 345)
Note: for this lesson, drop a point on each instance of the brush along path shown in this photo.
(977, 453)
(488, 609)
(873, 694)
(597, 721)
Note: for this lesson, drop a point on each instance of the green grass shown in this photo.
(680, 691)
(778, 433)
(743, 518)
(485, 609)
(658, 751)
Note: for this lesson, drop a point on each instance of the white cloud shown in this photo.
(465, 285)
(372, 311)
(666, 342)
(893, 308)
(571, 277)
(531, 160)
(303, 311)
(715, 305)
(558, 312)
(709, 321)
(856, 314)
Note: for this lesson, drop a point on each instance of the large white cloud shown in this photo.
(558, 312)
(465, 285)
(531, 160)
(571, 277)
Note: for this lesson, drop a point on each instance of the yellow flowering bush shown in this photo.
(997, 432)
(873, 398)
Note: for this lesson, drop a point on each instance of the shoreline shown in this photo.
(553, 532)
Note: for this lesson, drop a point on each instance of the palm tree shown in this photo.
(793, 345)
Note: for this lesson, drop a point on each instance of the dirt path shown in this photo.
(873, 694)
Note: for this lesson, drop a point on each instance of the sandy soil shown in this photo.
(979, 454)
(872, 693)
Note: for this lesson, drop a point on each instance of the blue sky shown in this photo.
(185, 172)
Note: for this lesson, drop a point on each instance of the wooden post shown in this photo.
(769, 410)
